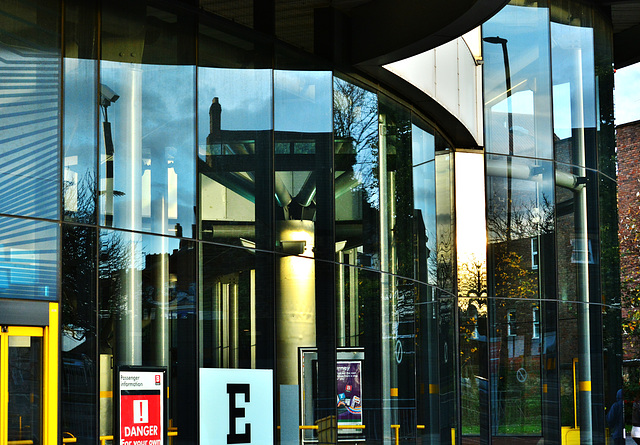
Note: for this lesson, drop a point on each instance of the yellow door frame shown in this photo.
(49, 336)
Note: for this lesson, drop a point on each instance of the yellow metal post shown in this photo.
(50, 369)
(4, 386)
(397, 433)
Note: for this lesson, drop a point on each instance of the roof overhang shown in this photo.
(385, 31)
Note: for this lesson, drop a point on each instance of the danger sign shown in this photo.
(141, 397)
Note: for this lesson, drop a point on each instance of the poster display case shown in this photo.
(349, 393)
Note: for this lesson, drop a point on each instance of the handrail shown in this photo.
(70, 439)
(20, 442)
(340, 427)
(103, 439)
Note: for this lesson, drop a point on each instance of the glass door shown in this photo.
(21, 385)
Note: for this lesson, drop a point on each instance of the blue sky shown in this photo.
(627, 94)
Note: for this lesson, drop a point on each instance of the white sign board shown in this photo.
(141, 406)
(236, 406)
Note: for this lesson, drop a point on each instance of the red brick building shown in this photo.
(628, 143)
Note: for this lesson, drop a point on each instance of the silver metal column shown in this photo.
(581, 250)
(385, 285)
(128, 159)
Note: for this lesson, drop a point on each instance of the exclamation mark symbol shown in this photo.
(140, 411)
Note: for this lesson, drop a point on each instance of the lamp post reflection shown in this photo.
(497, 40)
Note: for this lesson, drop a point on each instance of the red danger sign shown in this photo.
(140, 416)
(141, 407)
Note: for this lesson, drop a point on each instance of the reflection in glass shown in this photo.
(147, 306)
(396, 254)
(29, 145)
(304, 213)
(449, 395)
(520, 225)
(79, 360)
(25, 402)
(28, 258)
(518, 121)
(80, 133)
(228, 306)
(235, 128)
(355, 117)
(424, 201)
(471, 229)
(472, 284)
(303, 101)
(80, 114)
(574, 101)
(424, 196)
(147, 149)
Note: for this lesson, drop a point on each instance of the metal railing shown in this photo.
(361, 427)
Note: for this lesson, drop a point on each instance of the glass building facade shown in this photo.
(196, 194)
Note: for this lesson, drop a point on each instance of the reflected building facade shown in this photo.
(248, 185)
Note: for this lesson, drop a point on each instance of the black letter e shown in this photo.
(234, 413)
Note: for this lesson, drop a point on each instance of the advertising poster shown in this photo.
(141, 397)
(349, 392)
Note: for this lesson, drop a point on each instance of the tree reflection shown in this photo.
(355, 119)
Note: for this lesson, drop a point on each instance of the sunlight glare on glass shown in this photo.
(471, 225)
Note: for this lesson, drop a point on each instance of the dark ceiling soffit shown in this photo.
(446, 122)
(385, 31)
(626, 50)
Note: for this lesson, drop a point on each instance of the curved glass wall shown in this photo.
(548, 123)
(200, 201)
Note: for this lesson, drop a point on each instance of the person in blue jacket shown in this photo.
(615, 419)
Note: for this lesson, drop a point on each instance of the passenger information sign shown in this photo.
(142, 406)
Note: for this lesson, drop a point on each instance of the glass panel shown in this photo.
(29, 145)
(396, 259)
(427, 355)
(516, 82)
(357, 205)
(305, 217)
(579, 260)
(147, 306)
(28, 259)
(448, 383)
(79, 186)
(520, 227)
(472, 289)
(235, 106)
(78, 342)
(516, 352)
(303, 101)
(147, 168)
(228, 307)
(25, 389)
(80, 140)
(355, 112)
(574, 100)
(445, 220)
